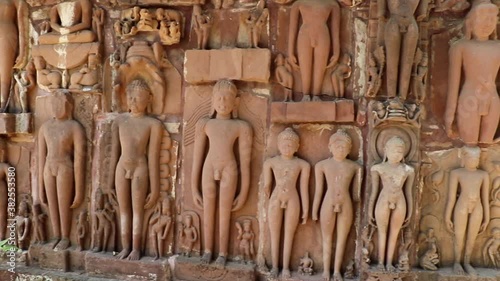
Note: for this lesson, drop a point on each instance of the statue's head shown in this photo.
(247, 225)
(160, 14)
(138, 96)
(340, 144)
(470, 156)
(62, 105)
(188, 220)
(394, 150)
(280, 60)
(481, 21)
(288, 142)
(225, 99)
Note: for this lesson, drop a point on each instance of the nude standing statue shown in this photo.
(337, 210)
(476, 107)
(287, 170)
(400, 37)
(202, 23)
(160, 224)
(394, 206)
(13, 43)
(217, 172)
(61, 167)
(312, 43)
(471, 209)
(136, 141)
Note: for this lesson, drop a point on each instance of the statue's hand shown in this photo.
(151, 201)
(238, 203)
(77, 202)
(293, 61)
(372, 221)
(43, 198)
(64, 31)
(333, 62)
(449, 226)
(19, 61)
(304, 218)
(483, 227)
(406, 223)
(198, 200)
(315, 216)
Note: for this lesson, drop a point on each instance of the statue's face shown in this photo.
(485, 21)
(340, 149)
(395, 153)
(137, 100)
(60, 108)
(224, 101)
(471, 160)
(288, 147)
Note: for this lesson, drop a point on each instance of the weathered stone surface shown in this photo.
(298, 112)
(191, 269)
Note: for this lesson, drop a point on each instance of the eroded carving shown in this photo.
(39, 218)
(284, 76)
(246, 238)
(188, 233)
(491, 250)
(81, 229)
(430, 258)
(23, 225)
(341, 72)
(306, 265)
(160, 224)
(202, 25)
(104, 222)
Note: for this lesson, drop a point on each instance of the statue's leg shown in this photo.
(228, 185)
(392, 38)
(460, 221)
(209, 193)
(407, 55)
(468, 119)
(292, 215)
(305, 59)
(382, 213)
(327, 219)
(344, 224)
(125, 205)
(275, 215)
(140, 185)
(396, 222)
(320, 61)
(476, 218)
(51, 192)
(489, 122)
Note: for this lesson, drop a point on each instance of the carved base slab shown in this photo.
(30, 273)
(446, 274)
(24, 123)
(314, 111)
(299, 277)
(106, 265)
(45, 256)
(191, 269)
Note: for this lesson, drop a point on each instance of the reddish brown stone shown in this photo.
(336, 111)
(191, 269)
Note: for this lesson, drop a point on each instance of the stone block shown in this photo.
(191, 269)
(303, 112)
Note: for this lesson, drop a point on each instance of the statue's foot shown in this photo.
(79, 248)
(458, 269)
(326, 275)
(54, 242)
(380, 267)
(123, 254)
(306, 98)
(316, 98)
(62, 245)
(286, 273)
(220, 262)
(469, 269)
(96, 249)
(389, 267)
(135, 255)
(156, 257)
(274, 273)
(337, 276)
(206, 258)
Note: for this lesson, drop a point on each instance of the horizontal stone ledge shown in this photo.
(252, 65)
(340, 111)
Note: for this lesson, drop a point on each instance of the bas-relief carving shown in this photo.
(473, 105)
(160, 225)
(104, 227)
(246, 239)
(306, 265)
(254, 21)
(201, 24)
(23, 224)
(189, 233)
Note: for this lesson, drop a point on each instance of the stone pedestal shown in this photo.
(191, 269)
(314, 111)
(45, 256)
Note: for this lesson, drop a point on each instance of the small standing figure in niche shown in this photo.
(420, 78)
(287, 170)
(341, 72)
(400, 36)
(160, 226)
(255, 21)
(188, 234)
(491, 250)
(4, 171)
(470, 207)
(404, 252)
(246, 238)
(478, 55)
(284, 76)
(430, 259)
(349, 270)
(39, 218)
(61, 164)
(103, 226)
(81, 229)
(202, 24)
(394, 206)
(23, 226)
(219, 166)
(376, 64)
(317, 37)
(25, 81)
(135, 154)
(98, 22)
(306, 265)
(87, 75)
(337, 210)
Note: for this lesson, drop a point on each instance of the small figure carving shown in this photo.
(23, 225)
(246, 238)
(71, 22)
(376, 62)
(341, 72)
(400, 36)
(306, 265)
(349, 270)
(337, 212)
(255, 21)
(394, 206)
(287, 170)
(312, 41)
(491, 250)
(25, 81)
(284, 76)
(420, 76)
(225, 4)
(98, 22)
(87, 75)
(220, 164)
(202, 23)
(104, 222)
(404, 252)
(51, 79)
(13, 43)
(136, 141)
(61, 166)
(169, 32)
(39, 218)
(146, 21)
(160, 224)
(188, 234)
(475, 108)
(81, 229)
(470, 207)
(430, 259)
(451, 5)
(366, 237)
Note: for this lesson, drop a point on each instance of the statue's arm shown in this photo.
(410, 180)
(115, 154)
(86, 22)
(154, 162)
(245, 149)
(358, 181)
(22, 19)
(304, 190)
(455, 69)
(79, 163)
(42, 155)
(335, 32)
(54, 19)
(200, 140)
(381, 9)
(165, 231)
(292, 31)
(485, 190)
(268, 177)
(318, 191)
(374, 193)
(452, 198)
